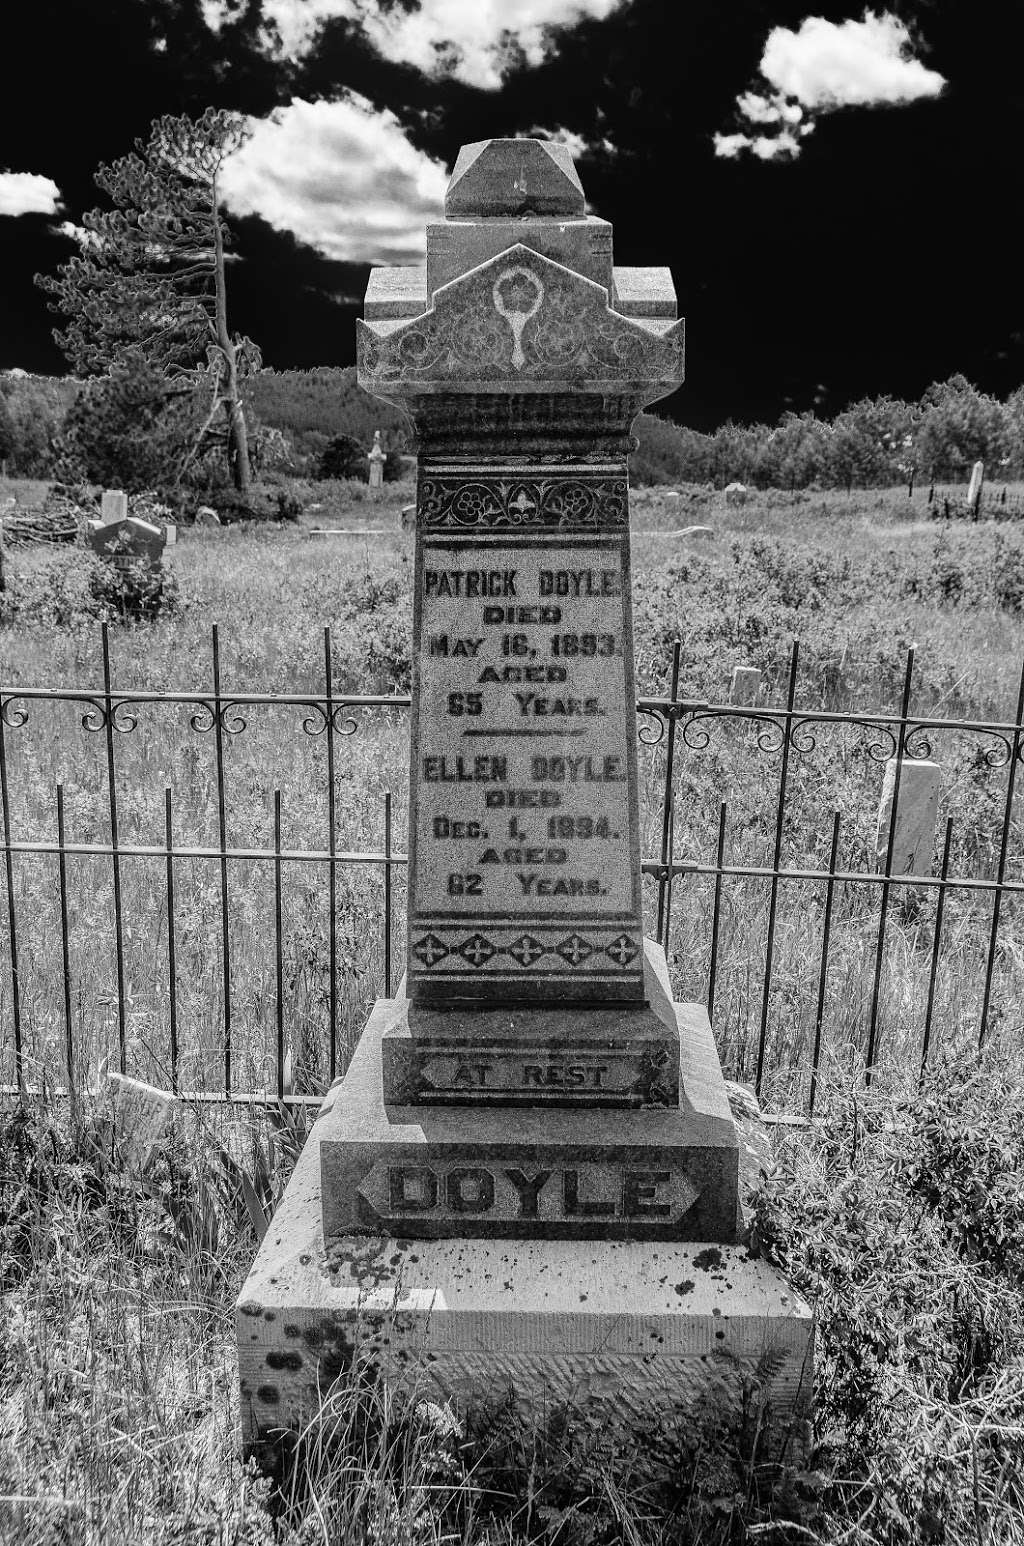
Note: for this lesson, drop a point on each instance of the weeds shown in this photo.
(900, 1220)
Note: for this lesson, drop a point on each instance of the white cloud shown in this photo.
(28, 193)
(464, 38)
(342, 177)
(821, 67)
(576, 144)
(776, 147)
(847, 64)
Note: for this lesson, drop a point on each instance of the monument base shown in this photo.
(640, 1324)
(436, 1171)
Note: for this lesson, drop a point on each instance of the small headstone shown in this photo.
(745, 685)
(170, 533)
(113, 506)
(126, 540)
(735, 493)
(140, 1114)
(914, 837)
(376, 457)
(974, 487)
(408, 517)
(207, 516)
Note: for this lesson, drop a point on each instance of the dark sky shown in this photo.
(885, 255)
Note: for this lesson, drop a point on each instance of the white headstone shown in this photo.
(914, 837)
(113, 506)
(140, 1113)
(745, 685)
(735, 494)
(376, 457)
(974, 487)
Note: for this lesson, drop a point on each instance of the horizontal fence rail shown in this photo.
(757, 988)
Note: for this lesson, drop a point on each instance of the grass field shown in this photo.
(901, 1215)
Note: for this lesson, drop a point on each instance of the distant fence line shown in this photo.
(675, 723)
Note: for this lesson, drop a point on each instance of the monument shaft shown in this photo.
(524, 859)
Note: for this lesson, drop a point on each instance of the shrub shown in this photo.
(342, 457)
(68, 587)
(902, 1222)
(263, 502)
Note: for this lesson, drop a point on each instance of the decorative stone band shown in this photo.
(528, 496)
(519, 322)
(626, 1056)
(598, 953)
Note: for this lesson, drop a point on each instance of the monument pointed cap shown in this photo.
(514, 177)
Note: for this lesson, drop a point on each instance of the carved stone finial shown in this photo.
(514, 177)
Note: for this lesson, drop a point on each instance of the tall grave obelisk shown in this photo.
(531, 1158)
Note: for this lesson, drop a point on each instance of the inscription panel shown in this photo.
(523, 849)
(532, 1077)
(467, 1196)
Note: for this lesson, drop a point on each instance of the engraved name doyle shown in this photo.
(514, 1192)
(523, 756)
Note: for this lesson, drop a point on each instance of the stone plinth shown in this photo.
(609, 1055)
(634, 1323)
(426, 1171)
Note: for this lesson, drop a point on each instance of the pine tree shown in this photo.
(149, 279)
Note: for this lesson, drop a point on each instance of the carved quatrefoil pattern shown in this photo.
(477, 950)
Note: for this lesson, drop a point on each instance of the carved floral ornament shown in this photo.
(569, 501)
(520, 315)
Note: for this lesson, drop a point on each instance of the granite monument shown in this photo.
(528, 1175)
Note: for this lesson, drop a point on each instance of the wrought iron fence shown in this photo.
(675, 731)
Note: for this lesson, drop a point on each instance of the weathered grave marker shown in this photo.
(917, 805)
(126, 540)
(532, 1083)
(376, 458)
(141, 1113)
(113, 506)
(745, 685)
(974, 487)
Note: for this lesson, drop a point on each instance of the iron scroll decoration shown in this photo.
(121, 715)
(13, 717)
(696, 721)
